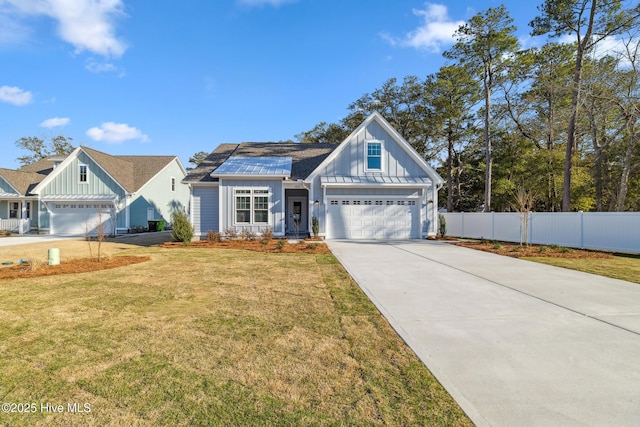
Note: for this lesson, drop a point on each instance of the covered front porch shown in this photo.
(297, 212)
(16, 213)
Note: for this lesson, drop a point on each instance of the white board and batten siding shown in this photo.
(66, 216)
(204, 209)
(384, 211)
(613, 231)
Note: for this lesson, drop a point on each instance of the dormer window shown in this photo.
(83, 174)
(374, 155)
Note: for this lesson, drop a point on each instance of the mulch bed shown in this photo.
(82, 265)
(517, 251)
(271, 246)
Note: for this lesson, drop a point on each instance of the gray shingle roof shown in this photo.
(305, 157)
(21, 180)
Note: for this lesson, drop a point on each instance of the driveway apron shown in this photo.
(514, 342)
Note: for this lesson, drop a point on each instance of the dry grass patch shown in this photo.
(211, 337)
(607, 264)
(617, 266)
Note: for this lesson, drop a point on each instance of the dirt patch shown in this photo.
(272, 246)
(517, 251)
(28, 270)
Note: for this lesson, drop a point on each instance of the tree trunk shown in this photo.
(575, 102)
(626, 170)
(450, 155)
(487, 141)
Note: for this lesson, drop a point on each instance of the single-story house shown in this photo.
(74, 194)
(373, 185)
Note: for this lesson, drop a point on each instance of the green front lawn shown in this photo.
(210, 337)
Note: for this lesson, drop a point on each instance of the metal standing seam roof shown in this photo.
(375, 179)
(258, 166)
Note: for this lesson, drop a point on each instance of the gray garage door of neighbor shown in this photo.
(373, 218)
(74, 218)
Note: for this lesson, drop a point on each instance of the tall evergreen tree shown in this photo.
(484, 45)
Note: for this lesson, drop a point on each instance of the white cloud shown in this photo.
(15, 95)
(259, 3)
(115, 133)
(55, 122)
(86, 24)
(435, 32)
(98, 67)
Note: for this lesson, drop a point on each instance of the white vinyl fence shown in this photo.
(20, 226)
(613, 231)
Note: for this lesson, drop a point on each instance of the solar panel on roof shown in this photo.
(276, 166)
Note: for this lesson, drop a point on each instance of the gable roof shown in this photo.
(304, 157)
(377, 117)
(130, 172)
(21, 181)
(43, 166)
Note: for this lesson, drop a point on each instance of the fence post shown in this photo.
(493, 226)
(462, 221)
(581, 230)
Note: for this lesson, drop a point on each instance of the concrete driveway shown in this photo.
(514, 342)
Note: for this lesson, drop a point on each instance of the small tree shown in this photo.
(182, 230)
(523, 203)
(442, 225)
(315, 226)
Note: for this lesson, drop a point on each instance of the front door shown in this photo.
(297, 215)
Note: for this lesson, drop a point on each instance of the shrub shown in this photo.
(564, 250)
(182, 230)
(281, 243)
(497, 246)
(247, 234)
(267, 234)
(542, 249)
(230, 233)
(315, 226)
(442, 225)
(213, 236)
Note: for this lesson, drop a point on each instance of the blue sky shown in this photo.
(178, 77)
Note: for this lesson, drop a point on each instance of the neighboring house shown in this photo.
(373, 185)
(73, 194)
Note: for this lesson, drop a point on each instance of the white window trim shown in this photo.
(80, 181)
(366, 155)
(252, 195)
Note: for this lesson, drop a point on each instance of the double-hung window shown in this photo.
(252, 206)
(374, 155)
(83, 174)
(14, 208)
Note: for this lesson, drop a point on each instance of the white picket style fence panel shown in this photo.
(20, 226)
(614, 231)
